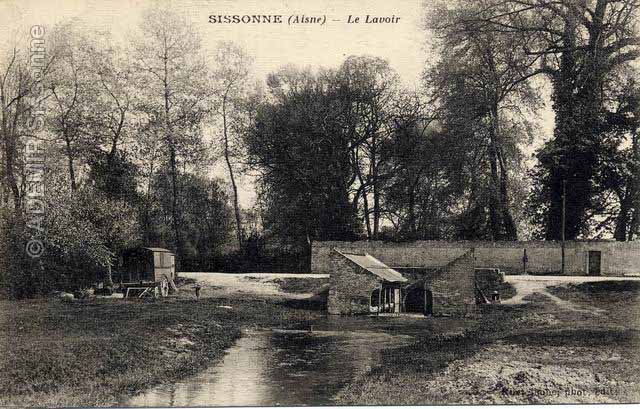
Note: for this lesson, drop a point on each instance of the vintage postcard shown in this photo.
(296, 203)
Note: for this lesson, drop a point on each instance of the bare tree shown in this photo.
(172, 76)
(112, 119)
(73, 91)
(21, 82)
(231, 80)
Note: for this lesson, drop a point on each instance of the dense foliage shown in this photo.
(151, 141)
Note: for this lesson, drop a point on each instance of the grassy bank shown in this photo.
(585, 351)
(92, 353)
(302, 285)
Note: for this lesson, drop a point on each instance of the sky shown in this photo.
(403, 43)
(272, 45)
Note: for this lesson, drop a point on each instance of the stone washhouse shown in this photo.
(448, 278)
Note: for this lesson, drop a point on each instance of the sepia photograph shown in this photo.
(244, 203)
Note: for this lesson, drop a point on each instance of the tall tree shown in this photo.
(73, 89)
(482, 77)
(369, 88)
(421, 191)
(231, 82)
(21, 93)
(173, 94)
(112, 123)
(620, 171)
(301, 149)
(582, 44)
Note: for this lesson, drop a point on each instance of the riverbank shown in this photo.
(91, 353)
(560, 343)
(584, 349)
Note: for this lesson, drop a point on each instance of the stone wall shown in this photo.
(350, 286)
(453, 288)
(618, 258)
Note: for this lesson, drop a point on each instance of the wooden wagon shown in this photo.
(147, 271)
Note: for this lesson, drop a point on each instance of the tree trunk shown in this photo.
(72, 173)
(495, 209)
(175, 213)
(227, 158)
(578, 102)
(510, 230)
(9, 154)
(173, 167)
(9, 137)
(622, 222)
(635, 183)
(365, 202)
(635, 224)
(412, 211)
(109, 278)
(565, 128)
(376, 190)
(376, 210)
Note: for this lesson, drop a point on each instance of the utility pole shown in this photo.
(564, 216)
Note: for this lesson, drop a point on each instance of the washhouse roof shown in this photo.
(375, 266)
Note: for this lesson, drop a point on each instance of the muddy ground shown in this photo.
(558, 342)
(95, 352)
(554, 342)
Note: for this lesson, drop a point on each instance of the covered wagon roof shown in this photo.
(158, 249)
(375, 266)
(137, 250)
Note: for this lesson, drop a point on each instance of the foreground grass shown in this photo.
(301, 285)
(586, 352)
(94, 353)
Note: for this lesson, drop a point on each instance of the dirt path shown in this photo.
(553, 347)
(256, 284)
(529, 285)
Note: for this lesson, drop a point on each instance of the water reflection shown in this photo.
(277, 368)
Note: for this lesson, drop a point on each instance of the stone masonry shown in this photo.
(617, 258)
(350, 286)
(453, 288)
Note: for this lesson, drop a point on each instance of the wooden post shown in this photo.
(109, 276)
(385, 300)
(424, 300)
(396, 300)
(380, 299)
(564, 216)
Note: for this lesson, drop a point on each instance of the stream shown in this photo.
(283, 367)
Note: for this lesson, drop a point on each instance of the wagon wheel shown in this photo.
(164, 287)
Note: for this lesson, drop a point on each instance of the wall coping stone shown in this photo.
(474, 244)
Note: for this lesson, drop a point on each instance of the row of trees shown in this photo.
(129, 134)
(132, 132)
(349, 152)
(585, 50)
